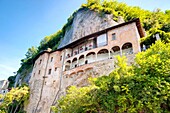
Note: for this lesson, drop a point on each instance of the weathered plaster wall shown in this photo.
(36, 82)
(44, 86)
(124, 34)
(51, 83)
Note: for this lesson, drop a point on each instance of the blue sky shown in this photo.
(23, 23)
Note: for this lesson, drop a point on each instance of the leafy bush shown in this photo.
(13, 101)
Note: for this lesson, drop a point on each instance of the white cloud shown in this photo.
(6, 71)
(7, 68)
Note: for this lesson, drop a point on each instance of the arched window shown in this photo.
(114, 51)
(90, 57)
(103, 54)
(81, 60)
(72, 74)
(127, 49)
(74, 63)
(67, 65)
(80, 72)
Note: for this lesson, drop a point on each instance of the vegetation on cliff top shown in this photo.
(143, 87)
(153, 22)
(13, 101)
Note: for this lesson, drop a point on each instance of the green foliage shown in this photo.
(13, 101)
(149, 19)
(31, 52)
(143, 87)
(153, 22)
(50, 41)
(150, 38)
(11, 80)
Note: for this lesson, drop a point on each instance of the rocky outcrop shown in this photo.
(85, 23)
(23, 77)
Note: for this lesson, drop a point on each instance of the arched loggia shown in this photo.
(127, 48)
(103, 54)
(81, 60)
(115, 51)
(74, 63)
(67, 65)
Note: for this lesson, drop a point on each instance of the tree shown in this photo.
(13, 101)
(31, 52)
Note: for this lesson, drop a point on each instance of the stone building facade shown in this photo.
(4, 86)
(89, 56)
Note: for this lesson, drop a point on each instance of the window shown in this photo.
(101, 40)
(86, 62)
(60, 58)
(40, 61)
(49, 71)
(113, 36)
(51, 59)
(68, 56)
(75, 50)
(39, 72)
(55, 68)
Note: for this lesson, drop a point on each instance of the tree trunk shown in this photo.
(16, 108)
(12, 108)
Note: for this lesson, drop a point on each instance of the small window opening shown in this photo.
(86, 62)
(40, 61)
(113, 36)
(51, 59)
(55, 68)
(60, 58)
(39, 71)
(49, 72)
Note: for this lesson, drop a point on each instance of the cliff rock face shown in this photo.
(86, 22)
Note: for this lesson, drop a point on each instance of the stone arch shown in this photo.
(90, 57)
(80, 71)
(103, 54)
(81, 60)
(73, 73)
(127, 48)
(66, 76)
(74, 63)
(115, 51)
(89, 68)
(67, 65)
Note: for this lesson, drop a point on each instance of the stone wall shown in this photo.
(44, 85)
(79, 77)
